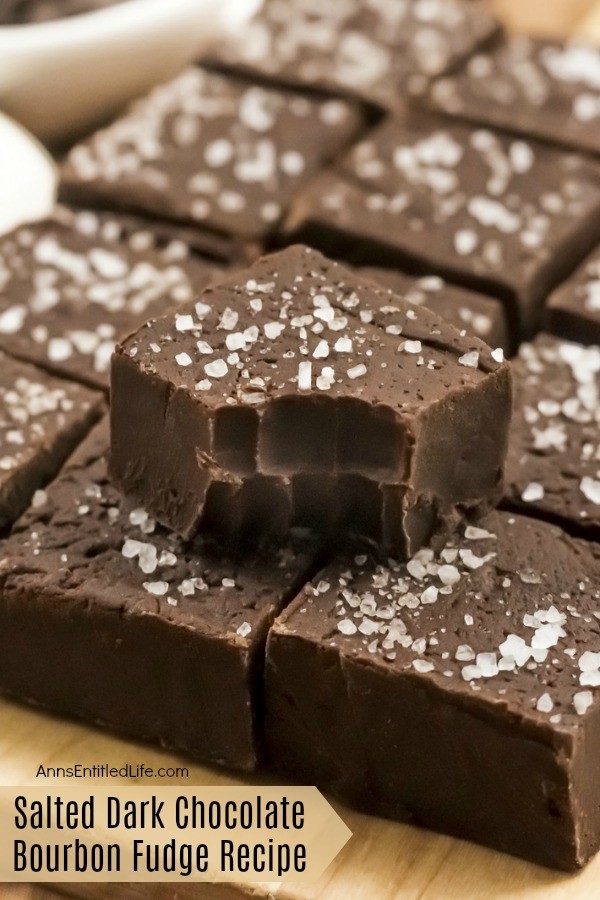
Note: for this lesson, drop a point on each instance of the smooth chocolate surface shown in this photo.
(298, 367)
(553, 463)
(542, 89)
(466, 310)
(210, 151)
(106, 616)
(505, 216)
(378, 51)
(573, 309)
(42, 419)
(457, 692)
(75, 284)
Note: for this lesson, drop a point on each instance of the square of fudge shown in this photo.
(508, 217)
(553, 462)
(536, 88)
(108, 617)
(573, 309)
(378, 52)
(210, 151)
(456, 692)
(299, 368)
(75, 284)
(42, 419)
(485, 317)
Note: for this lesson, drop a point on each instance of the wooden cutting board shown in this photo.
(383, 860)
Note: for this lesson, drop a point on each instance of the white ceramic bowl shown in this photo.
(28, 177)
(62, 77)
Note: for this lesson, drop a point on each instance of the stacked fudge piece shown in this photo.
(282, 544)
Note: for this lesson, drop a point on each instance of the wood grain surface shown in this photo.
(383, 860)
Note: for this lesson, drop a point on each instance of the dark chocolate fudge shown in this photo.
(466, 310)
(42, 419)
(376, 51)
(535, 88)
(456, 692)
(300, 367)
(106, 616)
(23, 12)
(553, 464)
(210, 151)
(504, 216)
(72, 285)
(573, 309)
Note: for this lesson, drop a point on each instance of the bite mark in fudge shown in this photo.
(466, 310)
(210, 151)
(376, 51)
(503, 216)
(553, 463)
(42, 419)
(457, 691)
(106, 616)
(573, 310)
(536, 88)
(75, 284)
(299, 367)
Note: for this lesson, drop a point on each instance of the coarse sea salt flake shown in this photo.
(347, 626)
(582, 700)
(183, 359)
(357, 371)
(471, 359)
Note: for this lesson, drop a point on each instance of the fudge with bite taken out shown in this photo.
(299, 369)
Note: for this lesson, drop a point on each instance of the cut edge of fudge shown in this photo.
(108, 618)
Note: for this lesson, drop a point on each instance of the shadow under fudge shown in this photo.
(106, 616)
(342, 404)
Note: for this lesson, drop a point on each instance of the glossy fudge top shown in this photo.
(212, 151)
(82, 543)
(295, 323)
(489, 210)
(553, 463)
(541, 88)
(74, 284)
(377, 50)
(573, 310)
(507, 614)
(466, 310)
